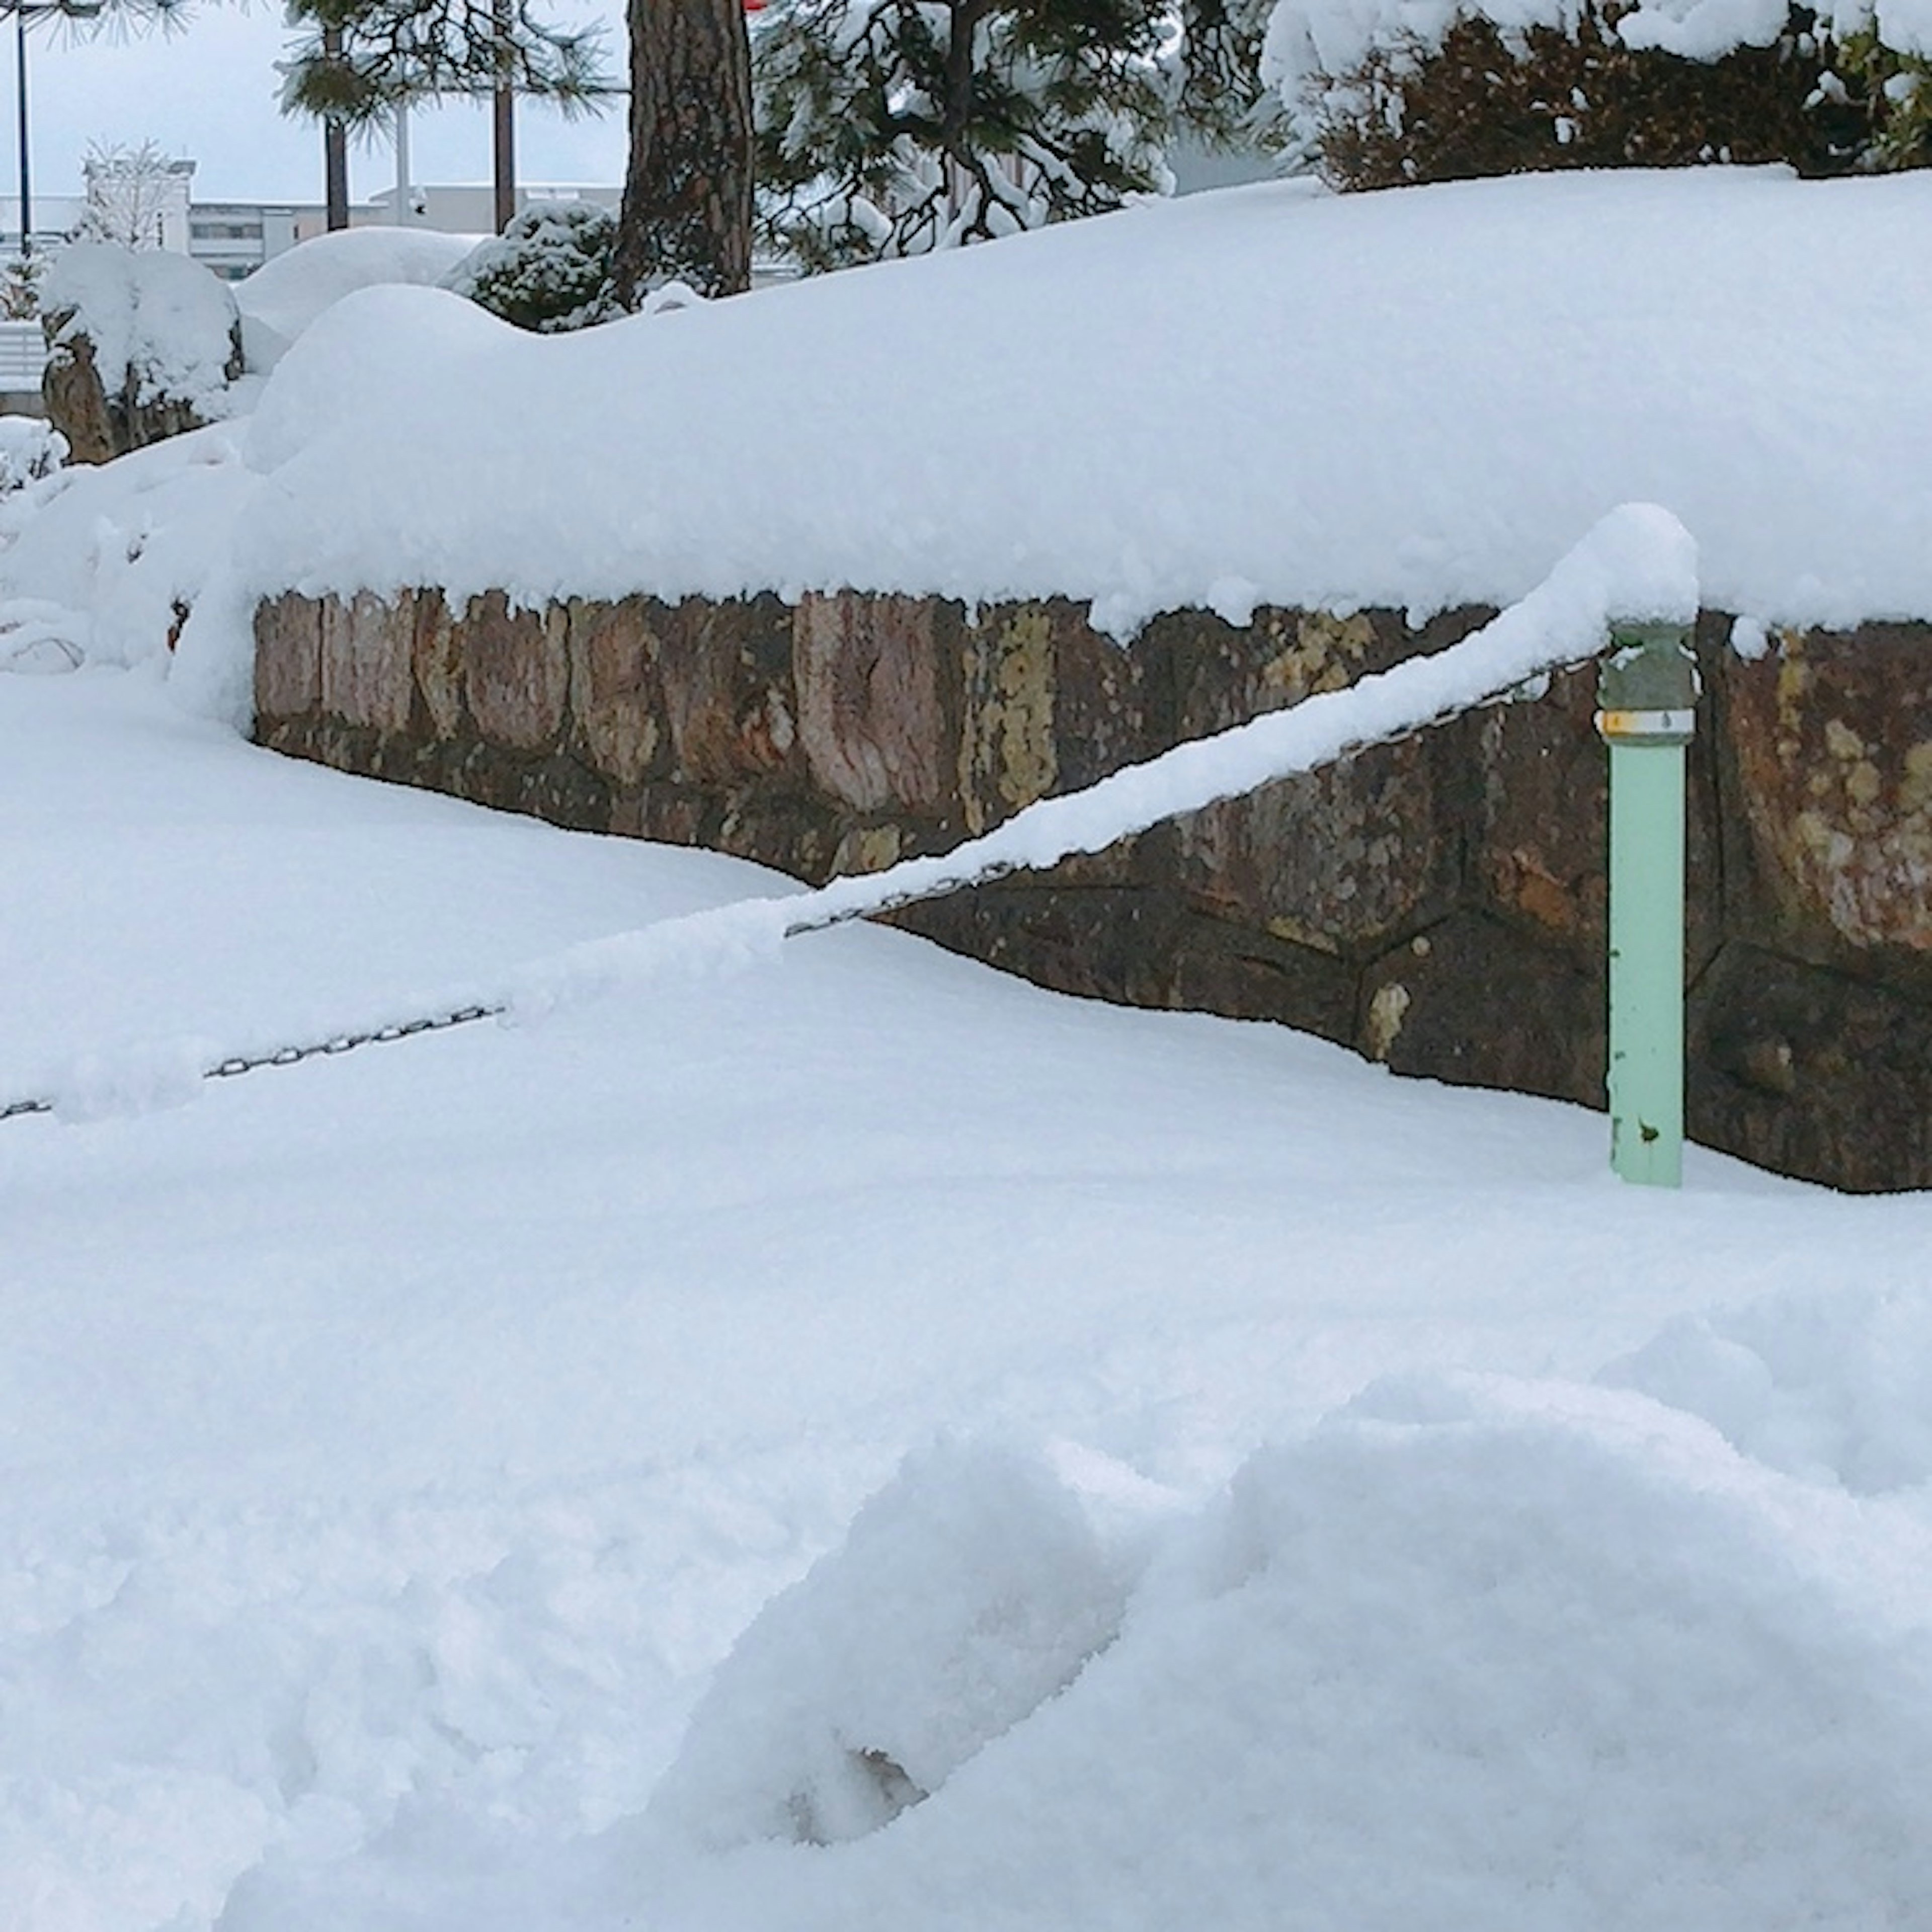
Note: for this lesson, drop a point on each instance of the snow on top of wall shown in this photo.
(162, 315)
(1269, 395)
(281, 299)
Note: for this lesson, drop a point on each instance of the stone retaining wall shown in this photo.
(1437, 904)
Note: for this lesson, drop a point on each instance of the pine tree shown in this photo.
(687, 209)
(389, 51)
(892, 126)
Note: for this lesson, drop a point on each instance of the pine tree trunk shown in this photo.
(334, 151)
(687, 209)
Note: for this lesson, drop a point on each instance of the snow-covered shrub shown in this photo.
(1383, 93)
(30, 449)
(140, 346)
(549, 271)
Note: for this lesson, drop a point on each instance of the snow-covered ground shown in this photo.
(396, 1446)
(853, 1441)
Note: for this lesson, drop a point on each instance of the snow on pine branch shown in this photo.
(1638, 564)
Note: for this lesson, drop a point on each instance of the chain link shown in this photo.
(239, 1063)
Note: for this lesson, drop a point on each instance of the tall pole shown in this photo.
(26, 168)
(335, 150)
(405, 213)
(1648, 690)
(503, 119)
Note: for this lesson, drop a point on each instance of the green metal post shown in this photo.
(1647, 691)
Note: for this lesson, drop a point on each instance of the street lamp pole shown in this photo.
(25, 12)
(26, 173)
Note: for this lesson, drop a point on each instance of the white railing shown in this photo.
(23, 355)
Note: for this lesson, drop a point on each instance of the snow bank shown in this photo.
(1473, 1653)
(964, 1595)
(157, 314)
(1835, 1387)
(1267, 395)
(102, 564)
(279, 300)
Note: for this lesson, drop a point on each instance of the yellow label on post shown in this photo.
(1670, 726)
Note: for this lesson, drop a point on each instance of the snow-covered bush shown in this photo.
(549, 271)
(30, 449)
(1383, 92)
(140, 346)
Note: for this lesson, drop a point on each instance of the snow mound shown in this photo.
(283, 296)
(1473, 1653)
(965, 1594)
(102, 563)
(1266, 396)
(161, 316)
(386, 348)
(1833, 1387)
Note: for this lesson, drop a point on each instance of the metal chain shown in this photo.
(237, 1064)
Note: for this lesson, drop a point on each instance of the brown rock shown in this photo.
(726, 672)
(437, 649)
(367, 673)
(616, 697)
(516, 672)
(288, 657)
(1831, 735)
(870, 718)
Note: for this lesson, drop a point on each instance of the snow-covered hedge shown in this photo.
(1379, 91)
(549, 271)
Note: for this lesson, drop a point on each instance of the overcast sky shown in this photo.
(206, 92)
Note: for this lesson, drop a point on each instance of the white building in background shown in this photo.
(235, 237)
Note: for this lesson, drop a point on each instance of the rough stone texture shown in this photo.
(367, 675)
(1437, 904)
(516, 672)
(870, 714)
(99, 425)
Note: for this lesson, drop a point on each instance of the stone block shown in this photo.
(516, 672)
(872, 718)
(616, 697)
(1482, 1004)
(288, 657)
(726, 672)
(1342, 859)
(1008, 744)
(1810, 1072)
(368, 675)
(437, 648)
(1830, 738)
